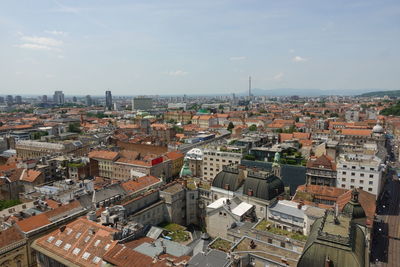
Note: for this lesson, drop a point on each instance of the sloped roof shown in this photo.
(324, 162)
(81, 243)
(140, 183)
(33, 222)
(9, 236)
(103, 154)
(267, 188)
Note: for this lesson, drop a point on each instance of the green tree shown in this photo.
(230, 126)
(249, 157)
(74, 127)
(253, 128)
(334, 114)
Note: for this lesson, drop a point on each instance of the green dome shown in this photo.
(353, 207)
(185, 171)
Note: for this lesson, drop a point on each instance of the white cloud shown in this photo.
(177, 73)
(42, 40)
(299, 59)
(33, 46)
(39, 43)
(278, 77)
(56, 33)
(237, 58)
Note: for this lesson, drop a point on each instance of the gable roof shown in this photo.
(139, 183)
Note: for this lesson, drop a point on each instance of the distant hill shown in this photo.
(307, 92)
(394, 93)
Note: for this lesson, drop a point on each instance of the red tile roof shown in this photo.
(103, 154)
(10, 236)
(33, 222)
(84, 238)
(139, 183)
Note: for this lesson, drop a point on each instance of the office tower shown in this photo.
(44, 98)
(1, 99)
(9, 99)
(89, 101)
(18, 99)
(58, 98)
(74, 99)
(108, 100)
(142, 103)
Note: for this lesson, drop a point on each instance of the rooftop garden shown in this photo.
(268, 226)
(176, 232)
(221, 244)
(76, 165)
(5, 204)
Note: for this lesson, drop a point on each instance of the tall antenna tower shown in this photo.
(249, 86)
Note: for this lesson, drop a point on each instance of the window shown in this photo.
(352, 180)
(58, 242)
(361, 187)
(353, 174)
(283, 244)
(353, 167)
(370, 189)
(67, 246)
(361, 181)
(372, 169)
(344, 166)
(361, 174)
(352, 186)
(86, 255)
(371, 176)
(370, 182)
(362, 168)
(76, 251)
(270, 240)
(344, 172)
(344, 179)
(96, 259)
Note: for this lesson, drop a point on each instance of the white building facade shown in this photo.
(360, 171)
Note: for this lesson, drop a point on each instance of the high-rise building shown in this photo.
(1, 99)
(89, 101)
(58, 98)
(74, 99)
(18, 99)
(108, 100)
(142, 103)
(9, 99)
(44, 98)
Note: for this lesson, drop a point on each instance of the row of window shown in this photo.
(360, 181)
(361, 174)
(362, 168)
(360, 187)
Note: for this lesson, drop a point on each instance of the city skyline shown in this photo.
(207, 47)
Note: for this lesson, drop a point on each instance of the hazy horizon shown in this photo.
(196, 47)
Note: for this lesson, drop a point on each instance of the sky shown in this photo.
(146, 47)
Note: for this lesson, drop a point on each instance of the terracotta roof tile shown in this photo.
(139, 183)
(33, 222)
(103, 154)
(9, 236)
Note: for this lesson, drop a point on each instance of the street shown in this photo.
(386, 232)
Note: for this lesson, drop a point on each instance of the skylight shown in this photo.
(50, 239)
(76, 251)
(67, 246)
(96, 259)
(86, 255)
(58, 242)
